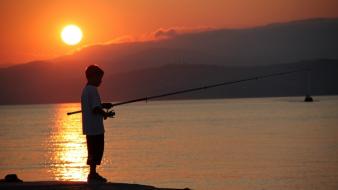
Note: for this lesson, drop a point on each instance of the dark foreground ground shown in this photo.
(69, 185)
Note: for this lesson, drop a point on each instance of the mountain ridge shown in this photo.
(47, 88)
(226, 52)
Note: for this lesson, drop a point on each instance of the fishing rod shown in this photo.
(201, 88)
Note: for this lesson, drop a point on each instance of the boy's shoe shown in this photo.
(96, 178)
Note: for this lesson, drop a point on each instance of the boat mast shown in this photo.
(308, 97)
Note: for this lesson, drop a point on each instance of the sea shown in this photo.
(278, 143)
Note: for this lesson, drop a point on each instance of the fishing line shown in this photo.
(201, 88)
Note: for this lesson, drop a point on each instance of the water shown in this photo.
(262, 143)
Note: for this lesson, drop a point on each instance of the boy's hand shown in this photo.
(107, 105)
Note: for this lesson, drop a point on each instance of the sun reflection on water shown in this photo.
(67, 146)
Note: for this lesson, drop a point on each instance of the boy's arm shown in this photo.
(99, 110)
(97, 106)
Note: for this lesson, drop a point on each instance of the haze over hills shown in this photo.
(270, 44)
(185, 61)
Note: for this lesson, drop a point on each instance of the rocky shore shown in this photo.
(70, 185)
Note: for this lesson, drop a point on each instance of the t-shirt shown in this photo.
(92, 124)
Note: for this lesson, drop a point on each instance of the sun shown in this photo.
(71, 34)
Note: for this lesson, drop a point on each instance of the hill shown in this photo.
(43, 85)
(264, 45)
(185, 61)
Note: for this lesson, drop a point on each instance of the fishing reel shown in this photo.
(110, 114)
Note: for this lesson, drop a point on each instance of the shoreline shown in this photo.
(180, 99)
(77, 185)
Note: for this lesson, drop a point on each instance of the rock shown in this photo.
(13, 178)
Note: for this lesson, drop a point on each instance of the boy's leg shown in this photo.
(95, 145)
(92, 169)
(99, 148)
(91, 161)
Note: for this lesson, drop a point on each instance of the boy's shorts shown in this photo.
(95, 147)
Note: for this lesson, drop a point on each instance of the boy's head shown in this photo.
(94, 75)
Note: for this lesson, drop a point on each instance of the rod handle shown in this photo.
(74, 112)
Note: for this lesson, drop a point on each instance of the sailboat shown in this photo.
(308, 97)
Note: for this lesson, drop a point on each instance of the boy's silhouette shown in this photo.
(92, 120)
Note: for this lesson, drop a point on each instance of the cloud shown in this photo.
(159, 34)
(176, 31)
(165, 33)
(121, 39)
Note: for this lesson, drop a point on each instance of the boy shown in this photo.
(92, 120)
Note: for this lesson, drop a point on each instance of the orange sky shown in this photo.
(30, 29)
